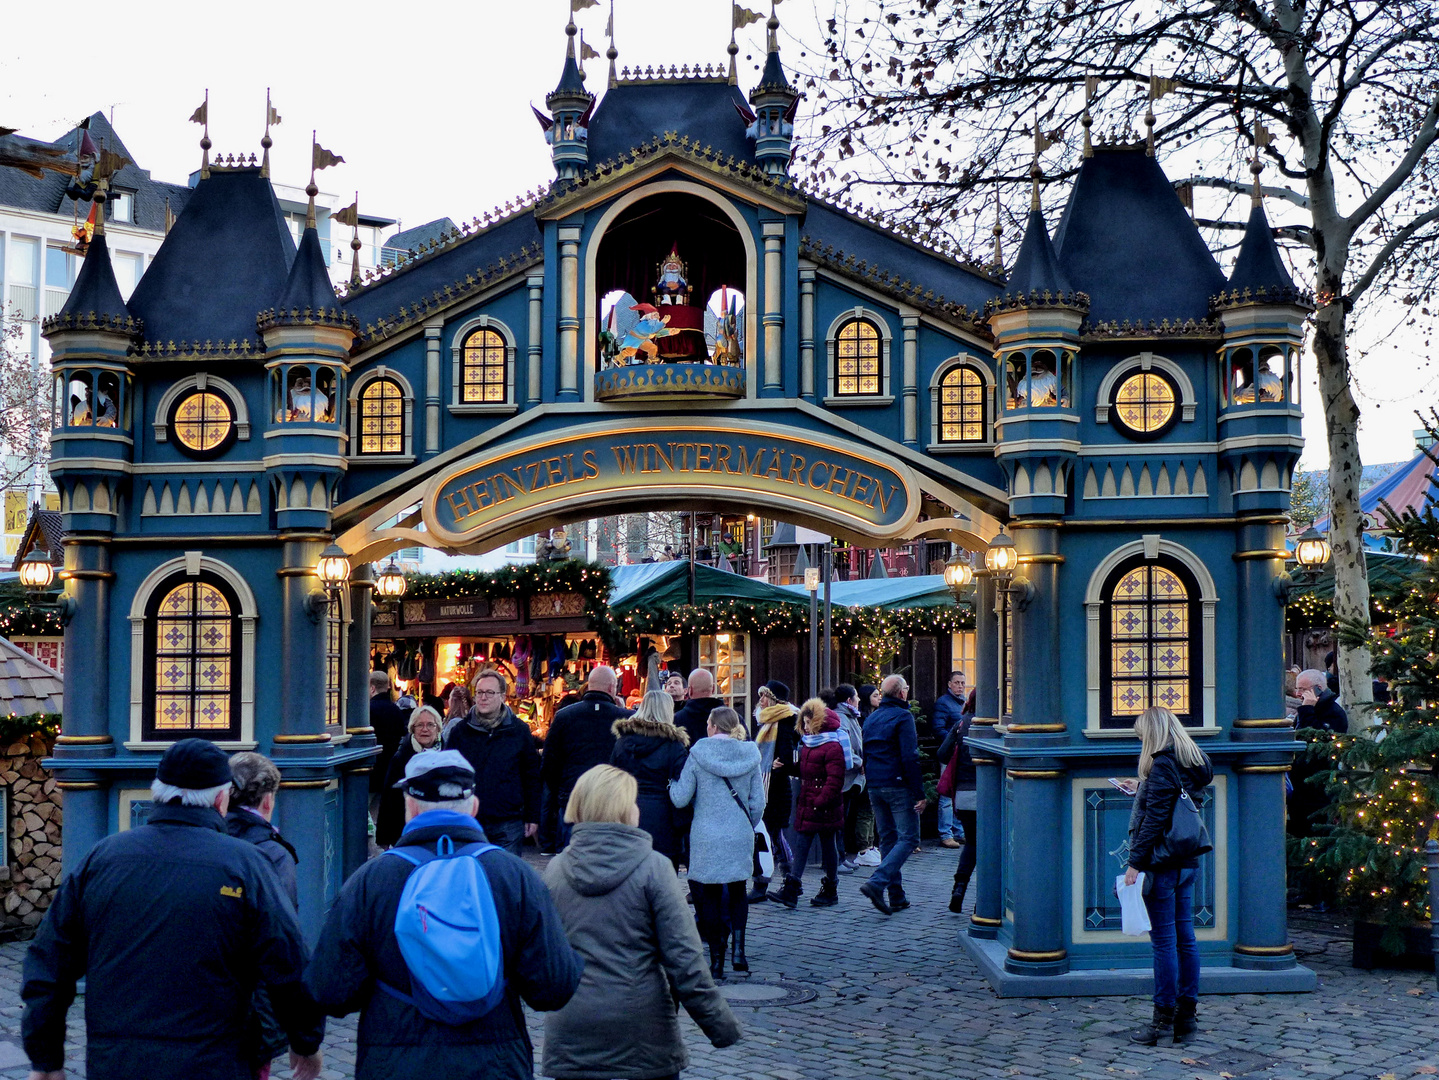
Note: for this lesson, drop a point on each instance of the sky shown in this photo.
(429, 104)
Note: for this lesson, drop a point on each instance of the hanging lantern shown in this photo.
(958, 573)
(333, 569)
(36, 571)
(1311, 550)
(391, 584)
(1001, 558)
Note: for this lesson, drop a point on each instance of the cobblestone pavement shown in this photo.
(895, 998)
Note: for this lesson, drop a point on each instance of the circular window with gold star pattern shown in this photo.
(203, 423)
(1145, 405)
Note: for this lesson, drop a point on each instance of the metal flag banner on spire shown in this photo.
(320, 158)
(743, 16)
(1041, 144)
(350, 216)
(202, 116)
(1262, 138)
(272, 117)
(580, 5)
(1158, 87)
(610, 24)
(1091, 88)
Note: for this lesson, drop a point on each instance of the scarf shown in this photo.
(769, 720)
(421, 749)
(838, 736)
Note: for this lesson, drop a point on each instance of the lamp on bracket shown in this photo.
(1311, 552)
(958, 573)
(392, 583)
(1001, 559)
(333, 570)
(37, 574)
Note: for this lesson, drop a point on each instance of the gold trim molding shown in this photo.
(1264, 950)
(1037, 957)
(1034, 774)
(290, 739)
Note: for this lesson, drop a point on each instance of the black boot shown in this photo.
(737, 957)
(757, 895)
(897, 900)
(1160, 1025)
(956, 898)
(717, 949)
(828, 893)
(1184, 1023)
(788, 894)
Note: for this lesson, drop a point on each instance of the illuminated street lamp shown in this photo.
(958, 573)
(36, 572)
(391, 584)
(811, 584)
(1311, 552)
(333, 570)
(1001, 558)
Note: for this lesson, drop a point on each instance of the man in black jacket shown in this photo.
(390, 724)
(896, 791)
(358, 950)
(580, 737)
(501, 750)
(1318, 705)
(694, 717)
(173, 924)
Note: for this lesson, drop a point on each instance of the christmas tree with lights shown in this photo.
(1384, 782)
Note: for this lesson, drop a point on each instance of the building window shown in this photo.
(203, 423)
(193, 640)
(1149, 648)
(121, 207)
(961, 406)
(857, 358)
(482, 368)
(1145, 404)
(382, 417)
(962, 655)
(334, 664)
(726, 656)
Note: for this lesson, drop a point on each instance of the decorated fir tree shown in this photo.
(1384, 783)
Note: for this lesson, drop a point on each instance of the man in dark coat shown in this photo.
(358, 950)
(1318, 705)
(390, 724)
(581, 737)
(694, 717)
(173, 924)
(501, 750)
(1318, 709)
(896, 790)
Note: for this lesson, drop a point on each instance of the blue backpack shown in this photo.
(449, 934)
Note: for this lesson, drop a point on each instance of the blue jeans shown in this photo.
(949, 825)
(509, 835)
(1176, 954)
(898, 827)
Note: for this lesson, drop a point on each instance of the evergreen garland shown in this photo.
(14, 727)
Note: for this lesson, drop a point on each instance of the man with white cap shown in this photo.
(361, 961)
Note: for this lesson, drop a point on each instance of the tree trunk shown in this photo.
(1346, 521)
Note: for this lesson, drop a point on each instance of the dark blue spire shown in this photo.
(309, 283)
(96, 292)
(1036, 268)
(572, 83)
(1259, 265)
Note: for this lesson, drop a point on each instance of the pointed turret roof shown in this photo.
(773, 77)
(1036, 268)
(1127, 241)
(1259, 265)
(226, 259)
(96, 291)
(309, 285)
(572, 80)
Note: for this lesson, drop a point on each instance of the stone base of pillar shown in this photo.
(1050, 963)
(980, 927)
(1264, 957)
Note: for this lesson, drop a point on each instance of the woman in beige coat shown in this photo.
(624, 912)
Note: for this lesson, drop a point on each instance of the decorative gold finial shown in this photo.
(612, 53)
(169, 216)
(1041, 144)
(320, 158)
(772, 27)
(1262, 138)
(271, 117)
(998, 232)
(202, 116)
(1157, 89)
(1091, 87)
(102, 188)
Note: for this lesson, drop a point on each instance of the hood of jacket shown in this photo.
(602, 855)
(633, 725)
(724, 756)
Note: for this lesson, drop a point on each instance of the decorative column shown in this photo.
(536, 286)
(355, 781)
(1258, 562)
(773, 317)
(986, 652)
(806, 329)
(1037, 888)
(432, 386)
(1035, 626)
(301, 719)
(909, 416)
(988, 773)
(569, 311)
(1262, 941)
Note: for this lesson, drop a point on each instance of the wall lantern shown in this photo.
(1311, 551)
(333, 570)
(36, 572)
(391, 584)
(1001, 558)
(958, 573)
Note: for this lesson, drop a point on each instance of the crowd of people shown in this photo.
(439, 939)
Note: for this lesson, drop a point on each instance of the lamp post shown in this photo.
(37, 574)
(391, 584)
(958, 573)
(827, 568)
(811, 584)
(1001, 559)
(1311, 552)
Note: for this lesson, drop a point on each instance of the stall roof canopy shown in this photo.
(924, 591)
(1388, 574)
(666, 585)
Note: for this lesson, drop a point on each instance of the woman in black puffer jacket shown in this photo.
(1170, 766)
(653, 750)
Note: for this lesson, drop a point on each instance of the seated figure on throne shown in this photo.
(672, 287)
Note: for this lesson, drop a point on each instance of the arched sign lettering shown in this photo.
(820, 478)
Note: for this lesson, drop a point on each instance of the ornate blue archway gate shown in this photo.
(674, 324)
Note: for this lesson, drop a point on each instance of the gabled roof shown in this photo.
(1259, 265)
(1036, 268)
(1126, 240)
(96, 291)
(635, 112)
(26, 685)
(227, 259)
(46, 531)
(309, 286)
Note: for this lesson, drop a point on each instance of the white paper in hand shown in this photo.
(1131, 906)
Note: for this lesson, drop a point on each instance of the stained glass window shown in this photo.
(203, 421)
(1145, 403)
(482, 368)
(1150, 652)
(334, 664)
(195, 660)
(857, 359)
(382, 417)
(961, 406)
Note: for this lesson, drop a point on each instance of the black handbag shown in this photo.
(1185, 839)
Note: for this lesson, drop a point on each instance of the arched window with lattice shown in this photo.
(382, 418)
(484, 360)
(963, 416)
(1150, 649)
(858, 360)
(192, 674)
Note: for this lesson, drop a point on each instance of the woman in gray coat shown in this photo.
(721, 778)
(624, 912)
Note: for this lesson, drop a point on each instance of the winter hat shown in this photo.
(778, 690)
(195, 765)
(436, 775)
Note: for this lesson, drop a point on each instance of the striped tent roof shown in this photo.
(1409, 487)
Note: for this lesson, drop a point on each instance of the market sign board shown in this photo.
(595, 469)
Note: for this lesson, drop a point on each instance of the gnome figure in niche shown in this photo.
(640, 338)
(672, 287)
